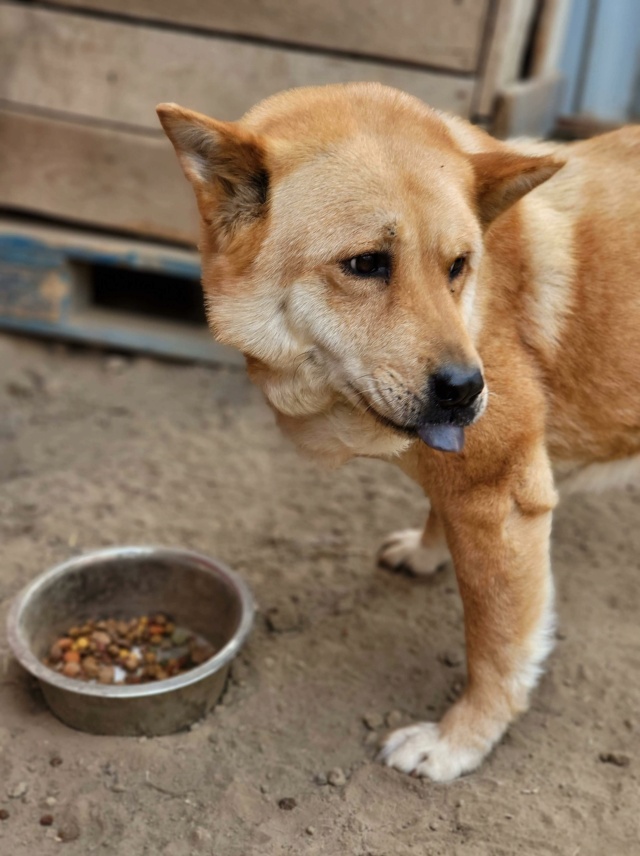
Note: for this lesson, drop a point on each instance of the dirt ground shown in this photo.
(97, 450)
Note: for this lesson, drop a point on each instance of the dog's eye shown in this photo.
(457, 267)
(369, 265)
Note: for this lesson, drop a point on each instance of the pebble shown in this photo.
(393, 719)
(336, 777)
(50, 801)
(55, 761)
(373, 720)
(46, 820)
(4, 814)
(320, 779)
(451, 658)
(287, 803)
(69, 831)
(283, 618)
(433, 826)
(18, 790)
(310, 830)
(615, 758)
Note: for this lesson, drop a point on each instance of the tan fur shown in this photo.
(548, 306)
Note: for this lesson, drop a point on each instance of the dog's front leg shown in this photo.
(499, 540)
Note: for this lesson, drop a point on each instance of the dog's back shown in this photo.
(582, 301)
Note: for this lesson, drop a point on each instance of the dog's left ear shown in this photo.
(504, 177)
(224, 163)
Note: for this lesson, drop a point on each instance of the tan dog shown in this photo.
(393, 274)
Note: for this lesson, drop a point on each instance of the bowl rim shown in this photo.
(25, 656)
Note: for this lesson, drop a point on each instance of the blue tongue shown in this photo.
(444, 438)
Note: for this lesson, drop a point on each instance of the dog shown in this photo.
(405, 287)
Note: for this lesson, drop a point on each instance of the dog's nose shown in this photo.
(457, 386)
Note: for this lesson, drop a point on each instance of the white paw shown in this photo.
(421, 751)
(403, 550)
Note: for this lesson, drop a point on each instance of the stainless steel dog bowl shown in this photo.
(196, 591)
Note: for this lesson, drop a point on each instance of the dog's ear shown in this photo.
(224, 163)
(503, 178)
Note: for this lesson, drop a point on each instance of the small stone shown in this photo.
(69, 831)
(336, 777)
(451, 658)
(283, 618)
(18, 790)
(373, 720)
(310, 830)
(200, 835)
(55, 761)
(264, 789)
(433, 826)
(4, 814)
(46, 820)
(320, 779)
(287, 803)
(615, 758)
(393, 719)
(50, 801)
(371, 738)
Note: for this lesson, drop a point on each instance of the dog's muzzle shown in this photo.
(452, 398)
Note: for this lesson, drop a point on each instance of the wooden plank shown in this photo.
(527, 108)
(441, 33)
(43, 291)
(119, 72)
(109, 178)
(505, 50)
(549, 38)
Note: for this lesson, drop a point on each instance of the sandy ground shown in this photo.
(96, 451)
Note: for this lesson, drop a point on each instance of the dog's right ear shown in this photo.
(224, 163)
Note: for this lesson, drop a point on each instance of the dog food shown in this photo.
(133, 651)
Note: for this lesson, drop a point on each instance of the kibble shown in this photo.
(4, 814)
(46, 820)
(138, 650)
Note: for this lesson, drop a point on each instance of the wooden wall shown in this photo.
(79, 81)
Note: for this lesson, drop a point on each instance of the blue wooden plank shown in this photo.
(43, 293)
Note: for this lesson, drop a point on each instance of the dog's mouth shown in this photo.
(443, 436)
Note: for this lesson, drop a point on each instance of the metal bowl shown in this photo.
(199, 593)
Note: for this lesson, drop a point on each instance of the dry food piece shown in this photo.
(134, 651)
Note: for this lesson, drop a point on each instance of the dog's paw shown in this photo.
(403, 551)
(421, 750)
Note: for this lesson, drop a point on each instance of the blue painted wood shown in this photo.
(42, 292)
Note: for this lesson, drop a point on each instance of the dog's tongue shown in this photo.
(444, 438)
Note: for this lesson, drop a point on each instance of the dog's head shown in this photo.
(342, 233)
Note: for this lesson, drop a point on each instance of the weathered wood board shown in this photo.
(442, 33)
(43, 291)
(506, 42)
(82, 65)
(106, 177)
